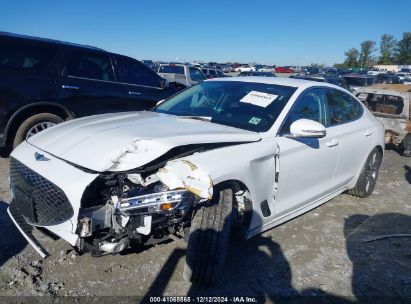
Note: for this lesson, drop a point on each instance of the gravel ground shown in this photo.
(322, 253)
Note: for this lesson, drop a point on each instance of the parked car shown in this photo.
(312, 70)
(283, 70)
(266, 68)
(181, 75)
(244, 68)
(327, 78)
(228, 155)
(212, 73)
(227, 69)
(392, 109)
(44, 82)
(402, 75)
(356, 81)
(262, 74)
(388, 78)
(376, 71)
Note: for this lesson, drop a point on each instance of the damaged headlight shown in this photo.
(162, 201)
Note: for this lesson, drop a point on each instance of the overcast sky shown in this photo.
(269, 32)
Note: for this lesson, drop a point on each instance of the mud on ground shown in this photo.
(327, 252)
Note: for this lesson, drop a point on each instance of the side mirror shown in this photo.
(307, 128)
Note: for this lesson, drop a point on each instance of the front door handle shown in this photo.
(332, 143)
(368, 133)
(134, 93)
(69, 87)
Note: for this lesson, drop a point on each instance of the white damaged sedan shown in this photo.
(235, 155)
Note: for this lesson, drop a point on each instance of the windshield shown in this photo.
(245, 105)
(172, 69)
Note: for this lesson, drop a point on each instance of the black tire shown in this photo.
(368, 176)
(29, 123)
(208, 240)
(406, 145)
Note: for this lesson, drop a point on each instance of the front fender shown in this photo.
(251, 164)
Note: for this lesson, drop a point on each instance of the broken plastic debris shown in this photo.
(182, 174)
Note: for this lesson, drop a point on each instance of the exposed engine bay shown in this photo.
(119, 209)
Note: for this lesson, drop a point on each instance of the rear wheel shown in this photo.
(208, 240)
(368, 176)
(34, 125)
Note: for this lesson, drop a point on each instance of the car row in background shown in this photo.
(44, 82)
(257, 73)
(320, 78)
(213, 73)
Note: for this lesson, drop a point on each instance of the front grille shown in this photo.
(40, 201)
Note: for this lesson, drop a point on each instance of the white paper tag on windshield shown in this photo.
(259, 98)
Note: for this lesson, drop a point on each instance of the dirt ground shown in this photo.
(327, 252)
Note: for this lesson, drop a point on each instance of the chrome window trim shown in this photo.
(116, 82)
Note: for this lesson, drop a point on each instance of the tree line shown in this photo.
(391, 51)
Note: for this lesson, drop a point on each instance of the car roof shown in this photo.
(48, 40)
(284, 81)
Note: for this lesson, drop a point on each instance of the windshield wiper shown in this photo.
(202, 118)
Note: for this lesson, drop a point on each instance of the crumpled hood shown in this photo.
(124, 141)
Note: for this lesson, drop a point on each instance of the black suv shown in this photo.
(44, 82)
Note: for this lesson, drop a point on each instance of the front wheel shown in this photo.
(369, 174)
(208, 240)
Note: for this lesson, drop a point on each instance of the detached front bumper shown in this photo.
(25, 229)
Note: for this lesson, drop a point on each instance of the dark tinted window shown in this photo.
(196, 75)
(172, 69)
(342, 107)
(220, 74)
(310, 105)
(92, 66)
(26, 57)
(132, 71)
(212, 72)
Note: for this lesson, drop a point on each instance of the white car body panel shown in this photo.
(124, 141)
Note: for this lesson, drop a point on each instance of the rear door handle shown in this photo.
(134, 93)
(332, 143)
(368, 133)
(69, 87)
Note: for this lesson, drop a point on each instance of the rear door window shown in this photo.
(26, 56)
(90, 65)
(133, 72)
(342, 108)
(172, 69)
(196, 75)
